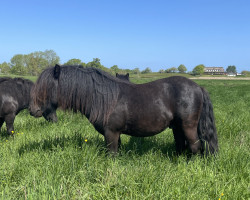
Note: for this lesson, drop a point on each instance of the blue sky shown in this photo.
(130, 33)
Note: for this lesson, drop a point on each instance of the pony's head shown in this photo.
(44, 94)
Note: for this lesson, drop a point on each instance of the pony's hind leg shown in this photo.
(180, 140)
(112, 140)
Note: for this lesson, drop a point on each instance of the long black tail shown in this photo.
(206, 127)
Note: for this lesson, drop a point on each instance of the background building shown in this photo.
(214, 70)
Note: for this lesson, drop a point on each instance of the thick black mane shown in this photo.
(89, 90)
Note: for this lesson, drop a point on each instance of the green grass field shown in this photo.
(67, 160)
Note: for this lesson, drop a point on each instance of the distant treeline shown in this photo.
(34, 63)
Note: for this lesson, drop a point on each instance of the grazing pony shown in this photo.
(115, 106)
(14, 97)
(122, 76)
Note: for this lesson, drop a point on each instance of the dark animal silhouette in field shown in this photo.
(117, 107)
(14, 97)
(122, 76)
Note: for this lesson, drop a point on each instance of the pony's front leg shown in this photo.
(9, 120)
(112, 140)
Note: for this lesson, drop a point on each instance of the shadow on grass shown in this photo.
(142, 146)
(52, 143)
(4, 134)
(136, 145)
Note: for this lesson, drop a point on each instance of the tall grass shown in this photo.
(67, 160)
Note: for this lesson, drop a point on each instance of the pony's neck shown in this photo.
(92, 92)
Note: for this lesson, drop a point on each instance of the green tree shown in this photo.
(199, 69)
(246, 73)
(51, 57)
(35, 63)
(231, 69)
(171, 70)
(182, 68)
(115, 69)
(97, 60)
(96, 64)
(167, 70)
(136, 71)
(73, 61)
(146, 71)
(5, 68)
(127, 71)
(17, 63)
(40, 60)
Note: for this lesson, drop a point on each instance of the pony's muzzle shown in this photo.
(37, 113)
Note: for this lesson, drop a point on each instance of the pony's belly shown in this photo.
(141, 134)
(148, 125)
(145, 131)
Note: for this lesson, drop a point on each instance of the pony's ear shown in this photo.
(127, 74)
(57, 70)
(116, 74)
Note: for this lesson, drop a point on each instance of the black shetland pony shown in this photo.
(14, 97)
(115, 106)
(122, 76)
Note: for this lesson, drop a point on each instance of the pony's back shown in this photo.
(3, 79)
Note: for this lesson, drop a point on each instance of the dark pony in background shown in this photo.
(117, 107)
(122, 76)
(14, 97)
